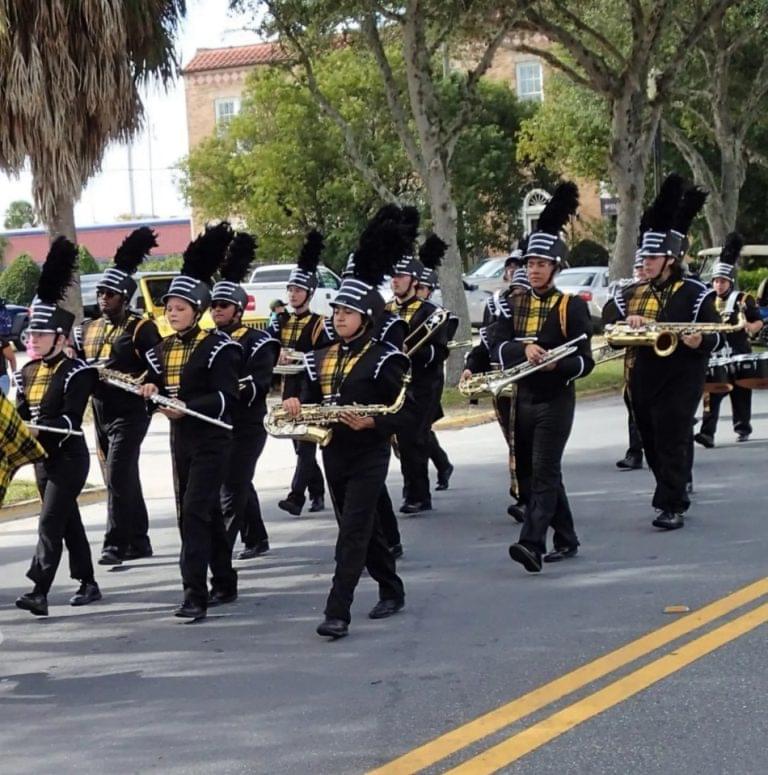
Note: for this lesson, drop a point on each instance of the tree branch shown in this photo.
(557, 63)
(582, 26)
(693, 158)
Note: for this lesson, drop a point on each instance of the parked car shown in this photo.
(488, 276)
(591, 284)
(476, 300)
(14, 321)
(268, 282)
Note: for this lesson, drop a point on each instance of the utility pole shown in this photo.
(131, 192)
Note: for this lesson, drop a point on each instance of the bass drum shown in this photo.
(751, 370)
(718, 375)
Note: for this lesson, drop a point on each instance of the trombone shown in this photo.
(423, 332)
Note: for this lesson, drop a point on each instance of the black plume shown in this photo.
(133, 249)
(381, 244)
(564, 203)
(734, 242)
(240, 255)
(690, 206)
(410, 223)
(661, 213)
(205, 254)
(309, 257)
(57, 272)
(388, 212)
(432, 251)
(522, 244)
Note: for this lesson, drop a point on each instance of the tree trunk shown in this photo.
(63, 225)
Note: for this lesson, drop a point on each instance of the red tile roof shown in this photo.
(206, 59)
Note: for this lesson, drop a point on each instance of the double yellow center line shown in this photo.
(518, 745)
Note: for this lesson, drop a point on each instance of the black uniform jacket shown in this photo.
(505, 345)
(121, 348)
(375, 378)
(206, 379)
(55, 393)
(729, 307)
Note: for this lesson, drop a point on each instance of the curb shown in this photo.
(31, 508)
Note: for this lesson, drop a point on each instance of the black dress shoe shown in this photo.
(669, 520)
(385, 608)
(254, 551)
(34, 602)
(396, 551)
(561, 554)
(630, 463)
(516, 512)
(443, 477)
(528, 559)
(317, 504)
(221, 597)
(333, 628)
(705, 440)
(290, 506)
(190, 610)
(743, 437)
(415, 508)
(137, 552)
(110, 556)
(89, 592)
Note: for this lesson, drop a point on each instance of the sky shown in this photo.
(160, 146)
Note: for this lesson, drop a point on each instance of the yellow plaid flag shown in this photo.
(17, 445)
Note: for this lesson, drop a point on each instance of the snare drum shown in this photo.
(718, 375)
(750, 370)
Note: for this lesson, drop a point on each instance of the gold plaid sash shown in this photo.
(176, 353)
(529, 312)
(37, 383)
(334, 369)
(100, 336)
(406, 311)
(17, 445)
(291, 331)
(649, 302)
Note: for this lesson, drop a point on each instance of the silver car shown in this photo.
(588, 282)
(476, 300)
(489, 275)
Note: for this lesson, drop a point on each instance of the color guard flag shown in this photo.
(17, 445)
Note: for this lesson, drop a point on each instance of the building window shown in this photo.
(529, 81)
(226, 108)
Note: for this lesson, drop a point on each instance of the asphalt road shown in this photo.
(122, 686)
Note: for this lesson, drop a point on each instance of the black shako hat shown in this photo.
(45, 315)
(240, 255)
(729, 256)
(545, 241)
(304, 274)
(127, 259)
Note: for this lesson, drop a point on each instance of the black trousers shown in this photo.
(741, 406)
(354, 481)
(307, 475)
(635, 448)
(437, 454)
(665, 422)
(541, 433)
(239, 502)
(501, 406)
(60, 478)
(119, 442)
(199, 465)
(387, 518)
(413, 443)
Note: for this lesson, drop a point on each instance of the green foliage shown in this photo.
(86, 263)
(19, 281)
(750, 279)
(19, 215)
(170, 263)
(588, 253)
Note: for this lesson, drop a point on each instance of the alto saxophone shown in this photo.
(497, 381)
(314, 421)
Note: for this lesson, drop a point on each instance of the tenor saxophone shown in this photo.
(314, 422)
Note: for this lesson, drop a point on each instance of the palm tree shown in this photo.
(70, 74)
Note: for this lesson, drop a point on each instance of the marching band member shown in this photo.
(665, 391)
(512, 269)
(303, 330)
(53, 391)
(359, 370)
(118, 340)
(427, 370)
(728, 303)
(543, 403)
(431, 255)
(200, 371)
(633, 459)
(260, 351)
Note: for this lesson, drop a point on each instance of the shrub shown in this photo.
(87, 264)
(749, 279)
(19, 281)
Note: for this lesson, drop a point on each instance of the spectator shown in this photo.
(7, 358)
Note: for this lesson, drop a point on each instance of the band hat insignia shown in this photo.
(381, 244)
(546, 241)
(46, 316)
(520, 279)
(304, 274)
(431, 255)
(726, 266)
(129, 255)
(202, 258)
(240, 255)
(667, 221)
(408, 262)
